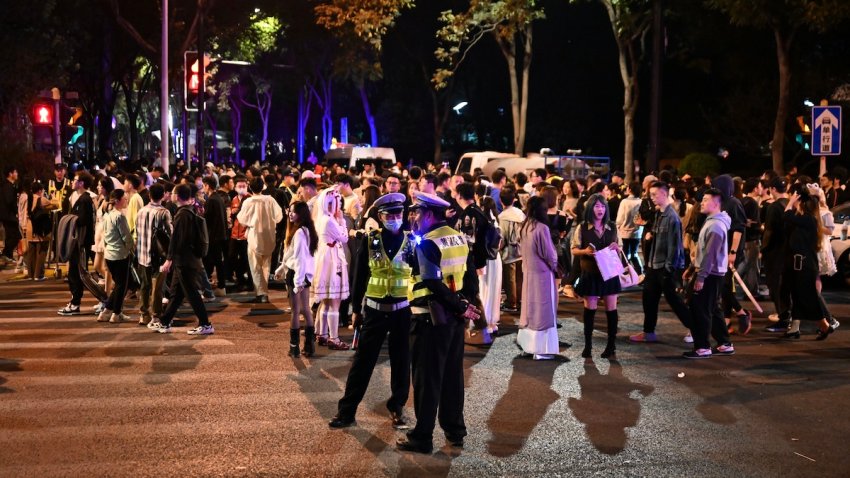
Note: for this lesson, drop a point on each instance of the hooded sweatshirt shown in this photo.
(733, 207)
(712, 256)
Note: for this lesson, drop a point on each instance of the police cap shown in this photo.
(428, 201)
(390, 203)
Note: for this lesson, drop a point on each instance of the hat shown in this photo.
(290, 172)
(60, 166)
(428, 201)
(390, 203)
(309, 174)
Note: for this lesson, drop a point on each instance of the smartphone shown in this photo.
(798, 262)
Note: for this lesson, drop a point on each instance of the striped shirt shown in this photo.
(150, 217)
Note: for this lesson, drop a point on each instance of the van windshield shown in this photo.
(464, 165)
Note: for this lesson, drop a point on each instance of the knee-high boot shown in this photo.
(588, 332)
(309, 341)
(613, 320)
(294, 346)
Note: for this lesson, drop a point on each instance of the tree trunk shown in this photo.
(305, 99)
(783, 50)
(264, 104)
(214, 129)
(523, 105)
(370, 119)
(236, 125)
(508, 48)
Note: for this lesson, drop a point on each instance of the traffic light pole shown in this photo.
(199, 136)
(57, 124)
(164, 131)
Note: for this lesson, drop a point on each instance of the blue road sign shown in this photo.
(826, 130)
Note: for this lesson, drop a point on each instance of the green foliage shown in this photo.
(369, 19)
(259, 38)
(461, 31)
(816, 15)
(699, 164)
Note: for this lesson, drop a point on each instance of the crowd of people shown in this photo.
(404, 254)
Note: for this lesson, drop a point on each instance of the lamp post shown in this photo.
(164, 131)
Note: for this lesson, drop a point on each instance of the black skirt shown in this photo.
(290, 281)
(590, 284)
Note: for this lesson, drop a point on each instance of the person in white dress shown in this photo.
(297, 267)
(330, 287)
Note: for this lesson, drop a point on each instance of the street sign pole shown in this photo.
(164, 131)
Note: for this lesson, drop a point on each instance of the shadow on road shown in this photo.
(522, 406)
(606, 407)
(8, 365)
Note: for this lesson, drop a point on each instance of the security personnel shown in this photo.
(60, 188)
(439, 309)
(382, 275)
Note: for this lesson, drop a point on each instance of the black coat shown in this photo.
(8, 201)
(84, 209)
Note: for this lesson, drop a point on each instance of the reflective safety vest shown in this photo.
(454, 253)
(389, 277)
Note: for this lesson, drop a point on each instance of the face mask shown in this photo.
(241, 191)
(393, 224)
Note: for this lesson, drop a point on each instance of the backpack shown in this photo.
(42, 223)
(67, 239)
(492, 239)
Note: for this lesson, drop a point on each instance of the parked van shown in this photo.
(356, 156)
(570, 167)
(469, 162)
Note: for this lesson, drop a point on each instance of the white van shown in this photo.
(469, 162)
(356, 156)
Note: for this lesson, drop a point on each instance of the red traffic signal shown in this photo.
(194, 78)
(43, 114)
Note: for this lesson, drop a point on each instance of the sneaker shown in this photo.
(725, 349)
(644, 337)
(202, 330)
(145, 319)
(98, 308)
(118, 318)
(773, 317)
(835, 324)
(689, 339)
(104, 315)
(154, 324)
(778, 327)
(208, 300)
(510, 310)
(697, 354)
(543, 357)
(40, 279)
(162, 328)
(69, 309)
(745, 322)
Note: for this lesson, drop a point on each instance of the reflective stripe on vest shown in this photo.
(453, 256)
(388, 278)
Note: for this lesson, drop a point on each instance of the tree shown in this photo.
(510, 24)
(365, 21)
(135, 86)
(785, 19)
(630, 22)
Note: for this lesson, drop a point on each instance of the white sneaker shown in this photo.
(104, 315)
(118, 318)
(69, 309)
(689, 339)
(154, 324)
(98, 308)
(202, 330)
(162, 329)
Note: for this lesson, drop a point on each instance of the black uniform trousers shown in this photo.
(75, 281)
(215, 260)
(376, 327)
(437, 360)
(706, 316)
(779, 287)
(13, 237)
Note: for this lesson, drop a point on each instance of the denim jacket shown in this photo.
(667, 251)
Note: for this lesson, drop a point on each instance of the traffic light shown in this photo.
(194, 78)
(43, 114)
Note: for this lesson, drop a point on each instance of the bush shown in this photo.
(699, 164)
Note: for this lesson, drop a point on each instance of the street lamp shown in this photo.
(459, 106)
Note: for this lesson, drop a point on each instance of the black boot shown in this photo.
(613, 320)
(309, 341)
(294, 339)
(588, 332)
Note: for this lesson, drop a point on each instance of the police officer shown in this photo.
(439, 310)
(382, 275)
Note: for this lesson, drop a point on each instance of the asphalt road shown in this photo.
(81, 398)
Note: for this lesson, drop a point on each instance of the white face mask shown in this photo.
(393, 224)
(241, 191)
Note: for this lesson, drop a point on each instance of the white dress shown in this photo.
(490, 288)
(331, 275)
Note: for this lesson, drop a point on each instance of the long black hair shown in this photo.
(535, 211)
(303, 218)
(588, 209)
